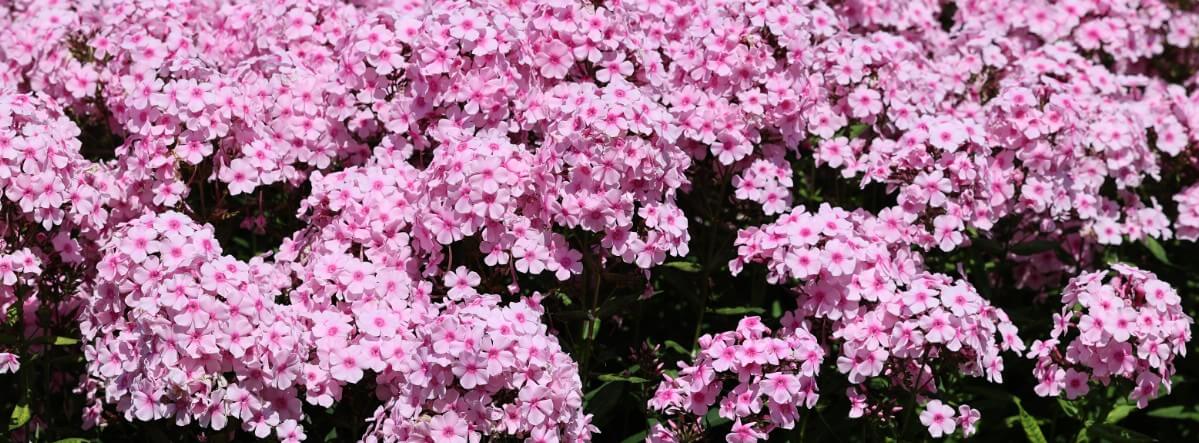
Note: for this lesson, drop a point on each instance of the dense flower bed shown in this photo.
(454, 220)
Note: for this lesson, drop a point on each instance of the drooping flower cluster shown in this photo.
(1126, 327)
(772, 374)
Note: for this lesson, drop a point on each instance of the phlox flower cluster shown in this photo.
(942, 420)
(53, 201)
(1128, 327)
(541, 140)
(19, 267)
(1187, 224)
(772, 374)
(860, 282)
(491, 370)
(1003, 114)
(312, 96)
(44, 175)
(177, 330)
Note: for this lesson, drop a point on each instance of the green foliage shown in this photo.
(1029, 424)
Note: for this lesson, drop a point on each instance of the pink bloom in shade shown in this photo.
(947, 135)
(857, 402)
(1049, 381)
(139, 242)
(835, 151)
(461, 283)
(743, 433)
(471, 373)
(448, 427)
(466, 24)
(933, 186)
(9, 363)
(804, 262)
(938, 418)
(919, 299)
(968, 420)
(290, 432)
(865, 102)
(838, 258)
(870, 362)
(241, 177)
(144, 406)
(346, 365)
(8, 271)
(947, 231)
(358, 277)
(614, 65)
(780, 386)
(1076, 384)
(567, 261)
(1120, 323)
(376, 322)
(1159, 294)
(1146, 389)
(938, 327)
(554, 59)
(724, 356)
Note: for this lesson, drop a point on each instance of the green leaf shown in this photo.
(713, 418)
(65, 341)
(1119, 412)
(1178, 412)
(1068, 407)
(1111, 433)
(626, 379)
(684, 266)
(73, 440)
(591, 329)
(738, 310)
(1031, 429)
(1156, 249)
(603, 399)
(586, 397)
(676, 347)
(857, 129)
(20, 416)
